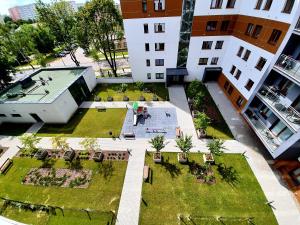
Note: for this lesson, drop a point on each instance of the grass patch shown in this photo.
(88, 123)
(102, 195)
(174, 191)
(14, 129)
(105, 90)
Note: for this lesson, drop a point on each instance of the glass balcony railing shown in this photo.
(263, 132)
(289, 65)
(277, 101)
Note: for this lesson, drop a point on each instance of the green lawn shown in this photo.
(174, 191)
(88, 123)
(105, 90)
(102, 195)
(14, 129)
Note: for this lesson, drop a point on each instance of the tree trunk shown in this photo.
(73, 57)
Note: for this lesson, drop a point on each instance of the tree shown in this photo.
(216, 147)
(158, 143)
(29, 142)
(60, 142)
(6, 65)
(202, 121)
(60, 18)
(105, 28)
(184, 144)
(7, 19)
(140, 85)
(90, 144)
(193, 88)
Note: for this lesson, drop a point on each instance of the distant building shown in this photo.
(26, 12)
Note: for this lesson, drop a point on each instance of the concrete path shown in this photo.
(129, 207)
(35, 128)
(284, 205)
(184, 117)
(159, 104)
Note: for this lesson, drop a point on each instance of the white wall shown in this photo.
(90, 78)
(136, 39)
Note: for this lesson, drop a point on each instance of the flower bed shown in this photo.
(58, 177)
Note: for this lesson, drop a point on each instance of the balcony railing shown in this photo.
(289, 65)
(269, 139)
(297, 27)
(271, 96)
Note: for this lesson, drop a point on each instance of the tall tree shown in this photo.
(105, 28)
(60, 17)
(6, 65)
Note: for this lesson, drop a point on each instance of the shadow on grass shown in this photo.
(75, 164)
(106, 169)
(173, 170)
(228, 174)
(48, 163)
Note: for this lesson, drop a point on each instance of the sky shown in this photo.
(6, 4)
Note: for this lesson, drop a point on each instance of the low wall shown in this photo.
(115, 80)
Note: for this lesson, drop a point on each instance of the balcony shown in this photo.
(289, 66)
(265, 135)
(275, 101)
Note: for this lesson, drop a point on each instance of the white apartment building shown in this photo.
(234, 43)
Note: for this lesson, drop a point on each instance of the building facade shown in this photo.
(238, 44)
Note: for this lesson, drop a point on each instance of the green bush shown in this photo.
(194, 87)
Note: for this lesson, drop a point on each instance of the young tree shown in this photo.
(216, 147)
(105, 28)
(193, 88)
(184, 144)
(6, 65)
(90, 144)
(60, 142)
(61, 20)
(202, 121)
(29, 142)
(158, 143)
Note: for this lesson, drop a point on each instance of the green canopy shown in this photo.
(135, 106)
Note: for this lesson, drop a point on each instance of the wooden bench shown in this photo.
(6, 165)
(146, 173)
(101, 108)
(129, 136)
(178, 132)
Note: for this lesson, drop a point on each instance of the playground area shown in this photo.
(148, 122)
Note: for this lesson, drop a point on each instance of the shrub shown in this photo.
(202, 121)
(193, 88)
(140, 85)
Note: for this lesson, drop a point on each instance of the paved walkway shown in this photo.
(35, 128)
(285, 207)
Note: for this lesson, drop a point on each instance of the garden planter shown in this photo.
(157, 158)
(98, 156)
(208, 158)
(182, 158)
(201, 133)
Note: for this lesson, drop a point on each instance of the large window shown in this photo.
(240, 51)
(146, 30)
(249, 84)
(261, 63)
(207, 45)
(268, 5)
(159, 75)
(288, 6)
(159, 62)
(257, 31)
(249, 29)
(274, 37)
(149, 76)
(239, 101)
(16, 115)
(159, 5)
(79, 90)
(216, 4)
(225, 25)
(258, 4)
(247, 55)
(230, 4)
(159, 28)
(2, 115)
(144, 5)
(203, 61)
(211, 25)
(159, 46)
(214, 61)
(233, 68)
(238, 74)
(147, 62)
(219, 44)
(147, 47)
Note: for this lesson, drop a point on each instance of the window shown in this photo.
(144, 5)
(261, 63)
(211, 25)
(159, 28)
(249, 29)
(159, 75)
(226, 84)
(274, 37)
(15, 115)
(146, 30)
(247, 55)
(239, 101)
(147, 62)
(238, 74)
(216, 4)
(203, 61)
(257, 31)
(268, 5)
(288, 6)
(258, 4)
(2, 115)
(233, 68)
(214, 61)
(240, 52)
(159, 46)
(159, 5)
(147, 47)
(249, 84)
(159, 62)
(230, 4)
(225, 25)
(219, 44)
(230, 90)
(148, 76)
(207, 44)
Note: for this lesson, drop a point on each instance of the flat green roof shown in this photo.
(47, 85)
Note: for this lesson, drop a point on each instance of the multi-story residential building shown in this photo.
(26, 12)
(249, 47)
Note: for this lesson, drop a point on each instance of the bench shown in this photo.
(146, 173)
(178, 132)
(6, 165)
(129, 135)
(101, 108)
